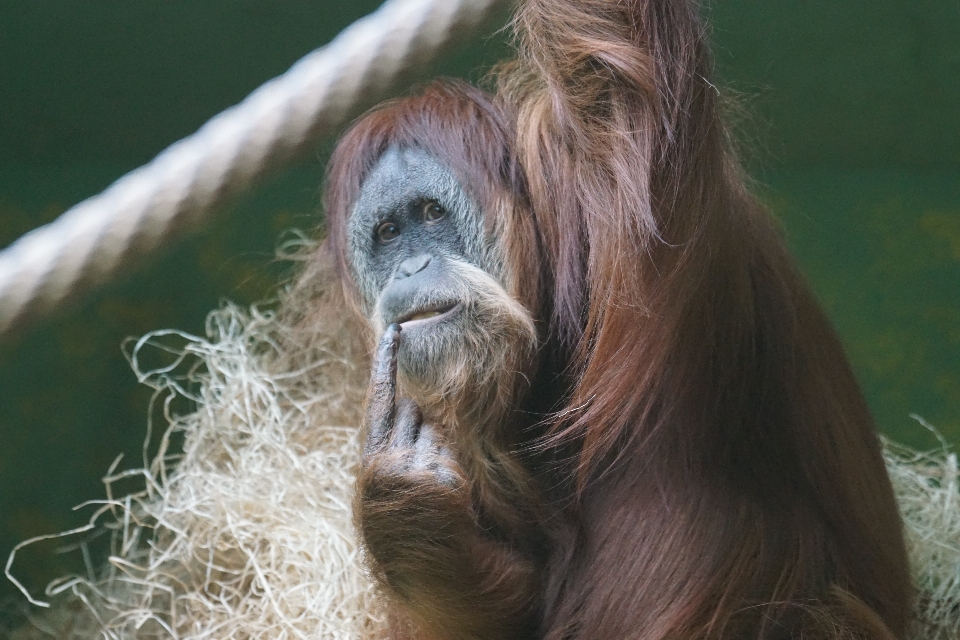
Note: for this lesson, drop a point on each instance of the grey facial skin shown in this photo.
(421, 258)
(398, 188)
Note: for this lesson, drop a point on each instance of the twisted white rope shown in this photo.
(93, 240)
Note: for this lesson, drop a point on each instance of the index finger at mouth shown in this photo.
(381, 404)
(385, 358)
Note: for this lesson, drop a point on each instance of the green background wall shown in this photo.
(852, 127)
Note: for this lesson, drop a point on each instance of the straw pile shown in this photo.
(928, 490)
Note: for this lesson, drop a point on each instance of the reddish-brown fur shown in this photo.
(708, 467)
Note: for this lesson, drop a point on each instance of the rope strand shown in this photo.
(185, 183)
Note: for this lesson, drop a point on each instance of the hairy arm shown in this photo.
(420, 529)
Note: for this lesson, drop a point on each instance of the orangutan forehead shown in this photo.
(403, 176)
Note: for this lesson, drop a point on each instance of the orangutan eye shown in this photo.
(432, 211)
(387, 232)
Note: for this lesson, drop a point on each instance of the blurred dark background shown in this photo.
(850, 114)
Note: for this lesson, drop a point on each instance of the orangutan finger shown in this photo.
(406, 424)
(381, 399)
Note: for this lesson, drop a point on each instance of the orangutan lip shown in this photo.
(424, 316)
